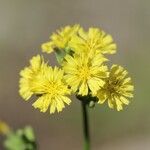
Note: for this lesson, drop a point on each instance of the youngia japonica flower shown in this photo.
(60, 39)
(83, 71)
(85, 75)
(4, 128)
(45, 82)
(93, 41)
(28, 74)
(52, 89)
(117, 88)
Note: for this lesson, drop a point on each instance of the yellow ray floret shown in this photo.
(60, 39)
(85, 74)
(118, 87)
(95, 40)
(48, 84)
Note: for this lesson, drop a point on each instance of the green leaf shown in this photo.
(29, 134)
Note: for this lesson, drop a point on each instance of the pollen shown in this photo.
(84, 72)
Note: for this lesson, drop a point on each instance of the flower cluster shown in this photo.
(83, 71)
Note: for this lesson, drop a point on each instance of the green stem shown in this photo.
(85, 126)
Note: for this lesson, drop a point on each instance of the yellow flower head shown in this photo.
(53, 90)
(28, 76)
(4, 128)
(95, 40)
(48, 84)
(85, 74)
(60, 39)
(117, 88)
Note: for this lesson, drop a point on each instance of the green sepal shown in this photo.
(60, 54)
(88, 100)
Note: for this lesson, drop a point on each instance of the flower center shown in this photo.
(113, 86)
(53, 88)
(84, 72)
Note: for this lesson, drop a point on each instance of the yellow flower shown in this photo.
(50, 85)
(47, 83)
(84, 74)
(60, 39)
(4, 128)
(95, 40)
(28, 74)
(117, 88)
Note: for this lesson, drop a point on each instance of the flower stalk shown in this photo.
(85, 126)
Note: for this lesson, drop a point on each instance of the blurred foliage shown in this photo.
(22, 139)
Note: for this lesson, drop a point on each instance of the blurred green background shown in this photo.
(24, 25)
